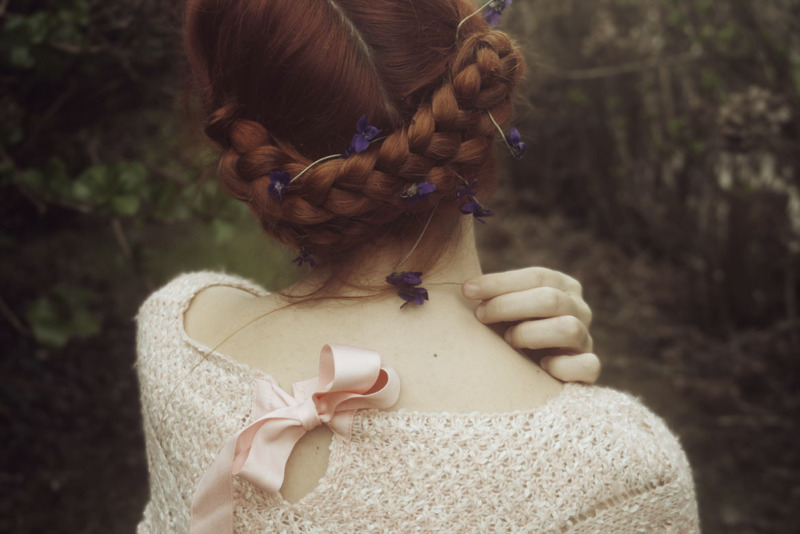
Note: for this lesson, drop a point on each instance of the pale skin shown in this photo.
(450, 353)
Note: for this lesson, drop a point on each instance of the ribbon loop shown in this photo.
(350, 379)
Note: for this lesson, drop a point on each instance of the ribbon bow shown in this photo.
(349, 379)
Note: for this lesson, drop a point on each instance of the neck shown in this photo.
(366, 273)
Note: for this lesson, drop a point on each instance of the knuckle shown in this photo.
(497, 307)
(571, 327)
(552, 300)
(588, 312)
(535, 276)
(575, 286)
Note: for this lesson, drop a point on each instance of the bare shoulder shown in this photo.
(217, 310)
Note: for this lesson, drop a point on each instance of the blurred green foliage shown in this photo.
(672, 127)
(96, 135)
(57, 318)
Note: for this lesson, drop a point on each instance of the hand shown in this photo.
(550, 314)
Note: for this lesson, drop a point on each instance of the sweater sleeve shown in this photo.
(660, 498)
(667, 508)
(166, 368)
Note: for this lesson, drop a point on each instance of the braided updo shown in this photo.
(283, 83)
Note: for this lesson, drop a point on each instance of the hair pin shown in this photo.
(365, 134)
(513, 140)
(490, 15)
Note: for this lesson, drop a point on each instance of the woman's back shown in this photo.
(537, 458)
(448, 361)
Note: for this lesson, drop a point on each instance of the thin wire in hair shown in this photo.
(320, 160)
(326, 158)
(502, 133)
(465, 19)
(430, 217)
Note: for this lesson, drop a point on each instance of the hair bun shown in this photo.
(486, 70)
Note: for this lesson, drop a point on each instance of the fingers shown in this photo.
(553, 319)
(566, 332)
(573, 368)
(491, 285)
(534, 303)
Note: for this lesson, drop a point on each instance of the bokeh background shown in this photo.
(663, 171)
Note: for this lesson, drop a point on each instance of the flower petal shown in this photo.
(361, 125)
(421, 295)
(491, 16)
(359, 143)
(370, 132)
(412, 278)
(468, 208)
(520, 150)
(278, 181)
(396, 279)
(425, 188)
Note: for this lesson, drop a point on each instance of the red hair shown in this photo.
(283, 83)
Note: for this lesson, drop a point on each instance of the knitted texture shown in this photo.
(589, 460)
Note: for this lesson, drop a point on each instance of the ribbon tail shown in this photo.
(263, 463)
(212, 504)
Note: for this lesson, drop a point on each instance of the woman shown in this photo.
(360, 132)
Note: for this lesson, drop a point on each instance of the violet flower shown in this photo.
(476, 209)
(406, 283)
(278, 181)
(304, 257)
(362, 139)
(467, 190)
(405, 278)
(515, 142)
(415, 193)
(494, 10)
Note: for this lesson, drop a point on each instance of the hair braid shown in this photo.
(440, 133)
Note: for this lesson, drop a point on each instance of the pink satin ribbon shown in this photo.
(349, 379)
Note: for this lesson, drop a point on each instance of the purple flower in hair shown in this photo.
(405, 278)
(467, 190)
(304, 257)
(476, 209)
(406, 283)
(494, 10)
(417, 192)
(361, 140)
(515, 142)
(278, 181)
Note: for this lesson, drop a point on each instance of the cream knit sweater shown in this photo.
(590, 460)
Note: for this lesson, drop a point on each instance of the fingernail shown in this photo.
(507, 336)
(470, 289)
(480, 312)
(544, 363)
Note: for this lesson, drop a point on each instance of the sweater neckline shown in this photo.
(232, 366)
(338, 447)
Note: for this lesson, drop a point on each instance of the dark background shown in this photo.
(662, 171)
